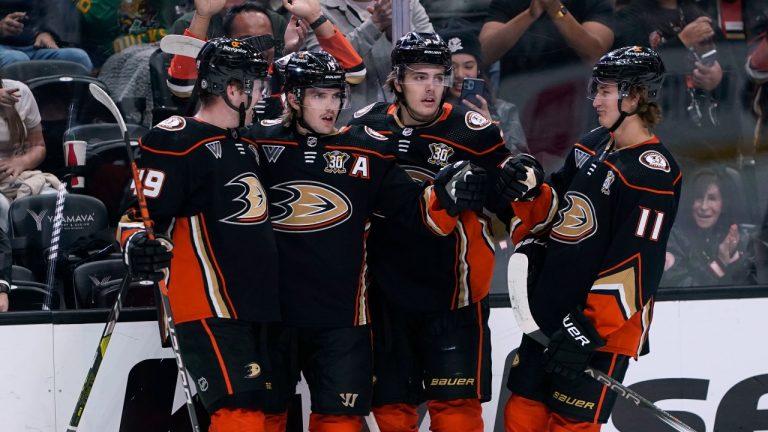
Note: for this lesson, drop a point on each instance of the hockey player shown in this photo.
(432, 340)
(325, 186)
(615, 200)
(204, 192)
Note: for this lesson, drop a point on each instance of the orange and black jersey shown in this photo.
(420, 273)
(608, 239)
(323, 192)
(203, 188)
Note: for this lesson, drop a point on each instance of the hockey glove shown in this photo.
(148, 259)
(520, 178)
(572, 346)
(535, 249)
(460, 186)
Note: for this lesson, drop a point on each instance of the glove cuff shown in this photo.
(581, 332)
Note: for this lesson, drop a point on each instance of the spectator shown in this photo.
(6, 264)
(467, 63)
(708, 246)
(693, 92)
(368, 26)
(22, 147)
(535, 36)
(757, 71)
(110, 26)
(249, 19)
(25, 36)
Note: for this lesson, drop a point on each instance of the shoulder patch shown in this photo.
(655, 160)
(375, 134)
(363, 111)
(173, 123)
(271, 122)
(476, 121)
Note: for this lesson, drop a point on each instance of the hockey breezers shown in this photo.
(90, 378)
(517, 280)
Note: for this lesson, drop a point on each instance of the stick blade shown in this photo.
(107, 101)
(181, 45)
(517, 284)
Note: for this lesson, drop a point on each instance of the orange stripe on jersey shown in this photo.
(341, 49)
(434, 216)
(478, 374)
(171, 153)
(480, 257)
(534, 216)
(186, 291)
(361, 296)
(271, 142)
(467, 149)
(624, 180)
(586, 149)
(218, 269)
(222, 366)
(383, 156)
(447, 109)
(604, 391)
(679, 177)
(639, 271)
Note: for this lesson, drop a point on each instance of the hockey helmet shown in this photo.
(629, 67)
(304, 69)
(421, 48)
(223, 59)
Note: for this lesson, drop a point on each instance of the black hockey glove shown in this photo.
(461, 186)
(520, 178)
(148, 259)
(572, 346)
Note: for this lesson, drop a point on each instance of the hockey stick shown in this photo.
(53, 249)
(517, 280)
(181, 45)
(105, 100)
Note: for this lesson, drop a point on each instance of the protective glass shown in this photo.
(422, 77)
(603, 89)
(325, 97)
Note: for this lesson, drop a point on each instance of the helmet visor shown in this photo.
(326, 97)
(601, 88)
(427, 76)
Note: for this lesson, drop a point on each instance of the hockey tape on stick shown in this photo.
(105, 100)
(517, 283)
(53, 250)
(181, 45)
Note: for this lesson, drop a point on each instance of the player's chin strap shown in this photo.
(240, 109)
(622, 114)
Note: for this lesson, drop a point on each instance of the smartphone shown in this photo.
(709, 57)
(470, 88)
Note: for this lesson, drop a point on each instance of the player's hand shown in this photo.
(696, 31)
(520, 178)
(4, 303)
(307, 10)
(572, 346)
(209, 8)
(295, 34)
(461, 186)
(535, 9)
(12, 24)
(482, 108)
(45, 40)
(9, 97)
(707, 77)
(148, 259)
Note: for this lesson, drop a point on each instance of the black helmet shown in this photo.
(311, 69)
(224, 59)
(424, 48)
(631, 66)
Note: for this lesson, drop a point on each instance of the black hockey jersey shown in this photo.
(433, 274)
(203, 187)
(323, 191)
(607, 244)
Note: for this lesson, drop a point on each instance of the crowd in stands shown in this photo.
(534, 57)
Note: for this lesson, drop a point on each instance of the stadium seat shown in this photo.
(84, 235)
(29, 296)
(19, 273)
(32, 69)
(98, 283)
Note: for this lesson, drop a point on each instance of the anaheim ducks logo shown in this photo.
(309, 206)
(172, 123)
(418, 174)
(576, 221)
(654, 160)
(254, 197)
